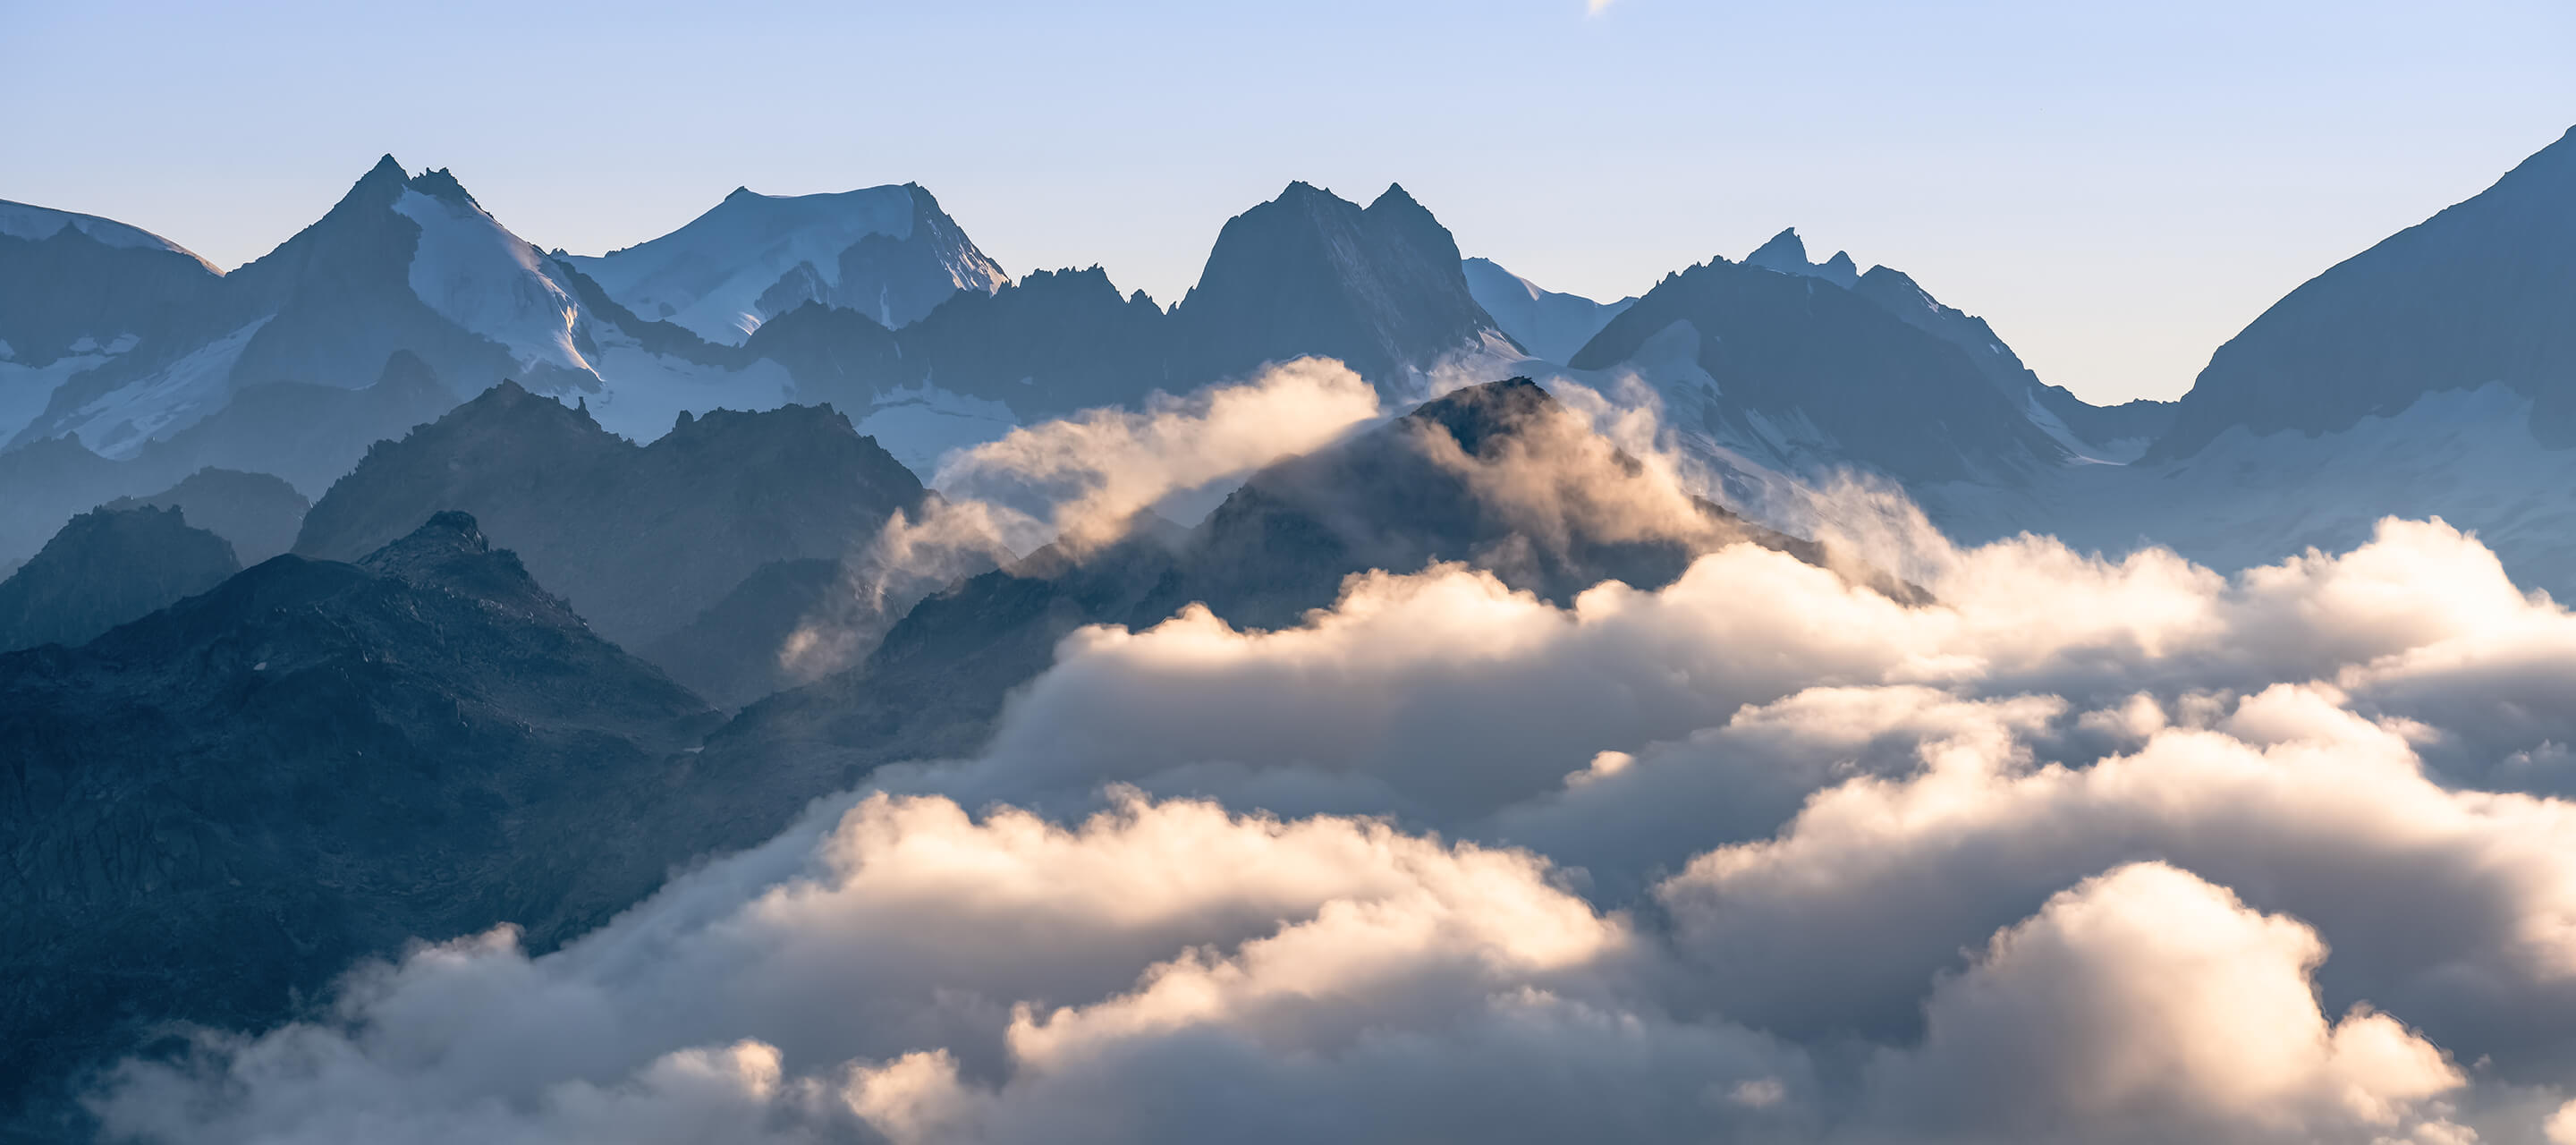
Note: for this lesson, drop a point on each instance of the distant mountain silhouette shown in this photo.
(1379, 288)
(1815, 373)
(639, 538)
(257, 513)
(1309, 272)
(218, 807)
(2479, 293)
(107, 567)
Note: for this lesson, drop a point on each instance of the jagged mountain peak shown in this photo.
(441, 184)
(505, 435)
(1395, 197)
(1786, 252)
(639, 538)
(449, 553)
(1785, 247)
(509, 402)
(448, 532)
(106, 567)
(1380, 288)
(1475, 415)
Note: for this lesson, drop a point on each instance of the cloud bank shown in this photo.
(1076, 483)
(2067, 849)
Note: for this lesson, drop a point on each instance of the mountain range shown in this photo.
(2429, 375)
(130, 364)
(413, 579)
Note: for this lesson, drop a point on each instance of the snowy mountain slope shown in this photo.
(2482, 292)
(2432, 375)
(36, 224)
(1547, 323)
(477, 274)
(887, 252)
(402, 264)
(2247, 498)
(78, 290)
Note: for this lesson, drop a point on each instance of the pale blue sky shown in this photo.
(2118, 188)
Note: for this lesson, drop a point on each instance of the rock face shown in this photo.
(231, 799)
(105, 568)
(2477, 294)
(641, 539)
(256, 513)
(1309, 272)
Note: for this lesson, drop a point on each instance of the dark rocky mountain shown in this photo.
(1819, 375)
(1309, 272)
(2477, 294)
(887, 252)
(880, 303)
(1380, 288)
(372, 277)
(106, 567)
(1787, 253)
(256, 513)
(1047, 345)
(1547, 323)
(2116, 432)
(1275, 548)
(641, 539)
(210, 812)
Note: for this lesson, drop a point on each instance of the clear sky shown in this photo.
(2117, 187)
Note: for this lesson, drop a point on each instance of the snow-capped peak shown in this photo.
(36, 224)
(753, 256)
(475, 273)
